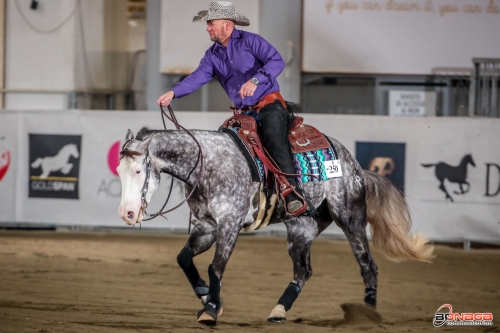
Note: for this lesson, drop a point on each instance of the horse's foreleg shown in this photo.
(227, 234)
(300, 235)
(202, 237)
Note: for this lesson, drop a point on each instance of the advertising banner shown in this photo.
(8, 166)
(60, 167)
(397, 36)
(447, 168)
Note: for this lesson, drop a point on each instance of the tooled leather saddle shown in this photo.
(302, 138)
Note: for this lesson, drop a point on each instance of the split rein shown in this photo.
(147, 161)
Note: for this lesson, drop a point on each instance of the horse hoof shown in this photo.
(208, 316)
(278, 314)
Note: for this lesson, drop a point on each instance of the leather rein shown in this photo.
(147, 161)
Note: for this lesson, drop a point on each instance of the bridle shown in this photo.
(147, 162)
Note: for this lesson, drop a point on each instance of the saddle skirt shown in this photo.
(313, 153)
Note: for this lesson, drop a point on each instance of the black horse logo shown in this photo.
(454, 174)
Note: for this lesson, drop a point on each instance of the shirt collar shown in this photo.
(236, 34)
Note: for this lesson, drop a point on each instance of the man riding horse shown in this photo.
(246, 66)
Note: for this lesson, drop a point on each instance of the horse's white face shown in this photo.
(132, 172)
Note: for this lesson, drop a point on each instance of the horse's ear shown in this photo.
(129, 136)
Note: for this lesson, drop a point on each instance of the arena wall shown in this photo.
(395, 146)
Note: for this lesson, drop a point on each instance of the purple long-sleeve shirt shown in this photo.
(247, 55)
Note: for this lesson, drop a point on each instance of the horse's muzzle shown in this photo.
(130, 217)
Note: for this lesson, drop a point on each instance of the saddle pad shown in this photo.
(313, 162)
(310, 162)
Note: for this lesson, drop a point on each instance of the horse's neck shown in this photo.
(179, 152)
(65, 152)
(464, 162)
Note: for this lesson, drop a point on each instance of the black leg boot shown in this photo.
(274, 123)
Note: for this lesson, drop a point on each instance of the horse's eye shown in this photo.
(138, 172)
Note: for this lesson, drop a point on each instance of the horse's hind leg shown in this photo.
(353, 223)
(300, 234)
(202, 237)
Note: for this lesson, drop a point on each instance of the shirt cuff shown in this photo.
(261, 77)
(176, 93)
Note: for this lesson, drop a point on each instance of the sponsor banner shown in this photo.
(396, 37)
(8, 166)
(471, 211)
(447, 168)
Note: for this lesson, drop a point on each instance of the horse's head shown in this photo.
(468, 159)
(72, 150)
(136, 163)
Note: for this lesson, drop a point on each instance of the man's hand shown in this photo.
(166, 98)
(247, 89)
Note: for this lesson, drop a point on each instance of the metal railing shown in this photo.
(484, 88)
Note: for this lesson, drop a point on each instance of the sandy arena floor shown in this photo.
(109, 282)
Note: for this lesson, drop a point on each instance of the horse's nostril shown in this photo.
(130, 215)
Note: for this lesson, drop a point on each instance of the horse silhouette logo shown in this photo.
(54, 165)
(454, 174)
(60, 162)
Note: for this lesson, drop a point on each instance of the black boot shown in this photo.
(274, 123)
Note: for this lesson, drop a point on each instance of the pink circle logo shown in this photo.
(4, 162)
(114, 157)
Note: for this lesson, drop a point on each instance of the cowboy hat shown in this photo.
(221, 10)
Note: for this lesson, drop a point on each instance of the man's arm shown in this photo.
(191, 83)
(273, 62)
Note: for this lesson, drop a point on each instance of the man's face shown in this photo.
(218, 30)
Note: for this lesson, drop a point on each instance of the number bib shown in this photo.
(333, 169)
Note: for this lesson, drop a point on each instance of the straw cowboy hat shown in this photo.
(221, 10)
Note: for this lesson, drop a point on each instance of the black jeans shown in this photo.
(274, 124)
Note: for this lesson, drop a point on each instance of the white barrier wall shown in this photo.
(88, 191)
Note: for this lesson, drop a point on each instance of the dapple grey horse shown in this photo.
(226, 201)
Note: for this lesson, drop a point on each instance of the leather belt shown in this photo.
(267, 99)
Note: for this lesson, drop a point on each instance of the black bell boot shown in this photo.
(213, 306)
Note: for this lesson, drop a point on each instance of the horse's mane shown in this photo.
(144, 133)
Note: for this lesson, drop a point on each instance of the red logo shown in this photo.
(114, 157)
(4, 162)
(461, 319)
